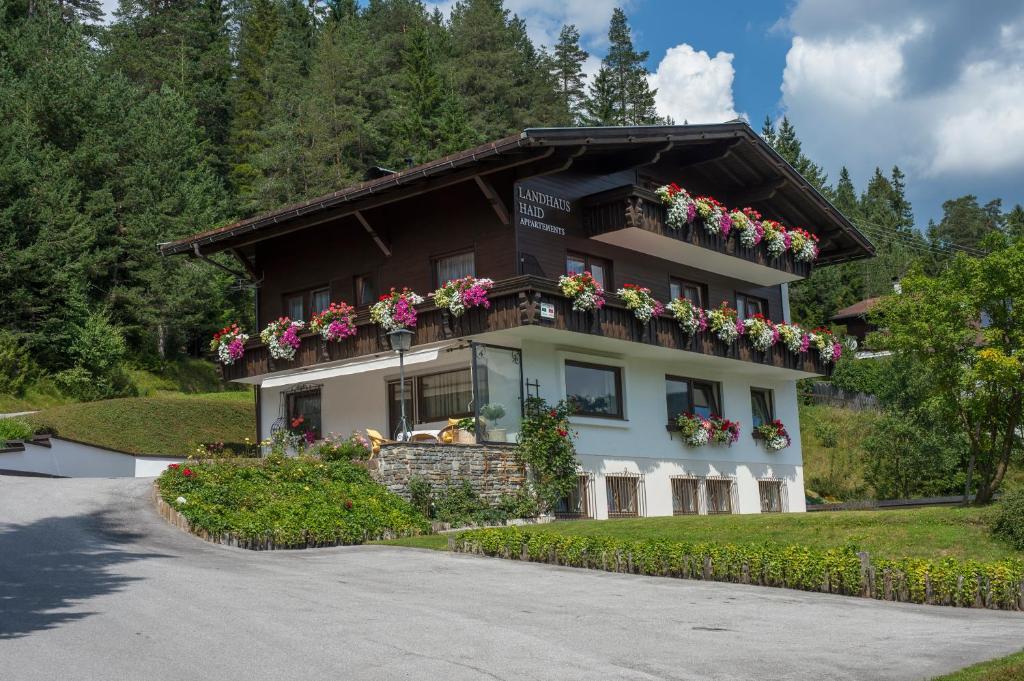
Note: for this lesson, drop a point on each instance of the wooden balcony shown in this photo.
(515, 303)
(634, 217)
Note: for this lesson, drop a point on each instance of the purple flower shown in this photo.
(310, 437)
(725, 223)
(758, 233)
(805, 343)
(740, 328)
(475, 296)
(405, 314)
(236, 349)
(691, 212)
(702, 320)
(787, 239)
(338, 330)
(291, 337)
(837, 350)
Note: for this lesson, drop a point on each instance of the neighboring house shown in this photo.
(855, 319)
(522, 211)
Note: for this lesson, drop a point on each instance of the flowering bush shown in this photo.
(583, 289)
(714, 215)
(793, 337)
(546, 447)
(336, 323)
(761, 331)
(641, 302)
(458, 295)
(722, 322)
(282, 337)
(681, 207)
(824, 341)
(229, 344)
(776, 238)
(698, 431)
(690, 317)
(804, 244)
(747, 223)
(773, 435)
(395, 310)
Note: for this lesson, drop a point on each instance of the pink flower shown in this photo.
(758, 233)
(787, 239)
(805, 343)
(837, 351)
(725, 223)
(691, 212)
(740, 328)
(291, 337)
(405, 314)
(236, 349)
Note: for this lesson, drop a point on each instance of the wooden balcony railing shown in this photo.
(517, 302)
(632, 206)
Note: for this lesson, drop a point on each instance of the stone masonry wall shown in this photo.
(492, 471)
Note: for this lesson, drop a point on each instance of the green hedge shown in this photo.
(839, 570)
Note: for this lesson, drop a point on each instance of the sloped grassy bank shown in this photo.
(286, 503)
(841, 570)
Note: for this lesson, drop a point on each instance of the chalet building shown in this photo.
(524, 211)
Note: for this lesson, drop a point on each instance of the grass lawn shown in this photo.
(937, 532)
(835, 472)
(166, 424)
(1004, 669)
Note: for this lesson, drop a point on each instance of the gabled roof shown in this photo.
(730, 156)
(858, 309)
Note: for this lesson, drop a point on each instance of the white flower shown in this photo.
(180, 501)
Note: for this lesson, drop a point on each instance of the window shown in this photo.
(305, 404)
(772, 495)
(576, 504)
(366, 290)
(761, 406)
(595, 390)
(599, 268)
(680, 288)
(625, 495)
(748, 306)
(685, 495)
(719, 494)
(320, 301)
(293, 306)
(455, 266)
(431, 398)
(691, 395)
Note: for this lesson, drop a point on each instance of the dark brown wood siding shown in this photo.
(334, 253)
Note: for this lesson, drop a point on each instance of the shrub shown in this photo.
(546, 446)
(459, 505)
(15, 429)
(333, 448)
(99, 350)
(837, 570)
(421, 495)
(1008, 519)
(293, 501)
(16, 367)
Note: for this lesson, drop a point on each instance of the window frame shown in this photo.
(435, 260)
(730, 483)
(588, 261)
(620, 415)
(413, 414)
(312, 297)
(291, 398)
(769, 400)
(765, 309)
(306, 295)
(374, 292)
(702, 289)
(763, 484)
(624, 480)
(716, 394)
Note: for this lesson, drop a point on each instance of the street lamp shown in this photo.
(401, 341)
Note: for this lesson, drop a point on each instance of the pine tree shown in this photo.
(1015, 222)
(846, 196)
(768, 130)
(600, 104)
(631, 94)
(785, 141)
(966, 223)
(568, 71)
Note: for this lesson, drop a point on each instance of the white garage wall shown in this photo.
(75, 460)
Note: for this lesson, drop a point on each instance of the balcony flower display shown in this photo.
(773, 435)
(641, 302)
(793, 337)
(747, 223)
(824, 341)
(681, 207)
(690, 317)
(776, 238)
(698, 431)
(396, 309)
(722, 322)
(336, 323)
(229, 344)
(761, 331)
(458, 295)
(804, 244)
(282, 337)
(714, 215)
(584, 291)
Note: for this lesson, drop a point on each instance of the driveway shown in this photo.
(93, 585)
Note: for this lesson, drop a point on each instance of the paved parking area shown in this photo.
(93, 585)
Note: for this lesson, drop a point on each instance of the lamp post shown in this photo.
(401, 341)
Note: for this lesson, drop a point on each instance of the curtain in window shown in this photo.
(293, 307)
(704, 402)
(455, 267)
(366, 291)
(321, 300)
(760, 407)
(307, 405)
(444, 396)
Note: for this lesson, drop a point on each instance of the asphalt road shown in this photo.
(94, 585)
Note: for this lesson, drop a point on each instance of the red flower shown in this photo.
(348, 504)
(298, 421)
(187, 473)
(175, 466)
(554, 413)
(562, 432)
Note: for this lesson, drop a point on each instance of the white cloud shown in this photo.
(693, 86)
(863, 92)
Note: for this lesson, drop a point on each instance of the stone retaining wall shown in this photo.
(492, 471)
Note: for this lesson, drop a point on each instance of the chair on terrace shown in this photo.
(423, 437)
(376, 440)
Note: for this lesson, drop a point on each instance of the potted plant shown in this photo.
(282, 337)
(640, 301)
(395, 310)
(229, 344)
(492, 414)
(584, 291)
(465, 431)
(824, 341)
(723, 324)
(336, 323)
(804, 245)
(458, 295)
(761, 332)
(691, 318)
(773, 435)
